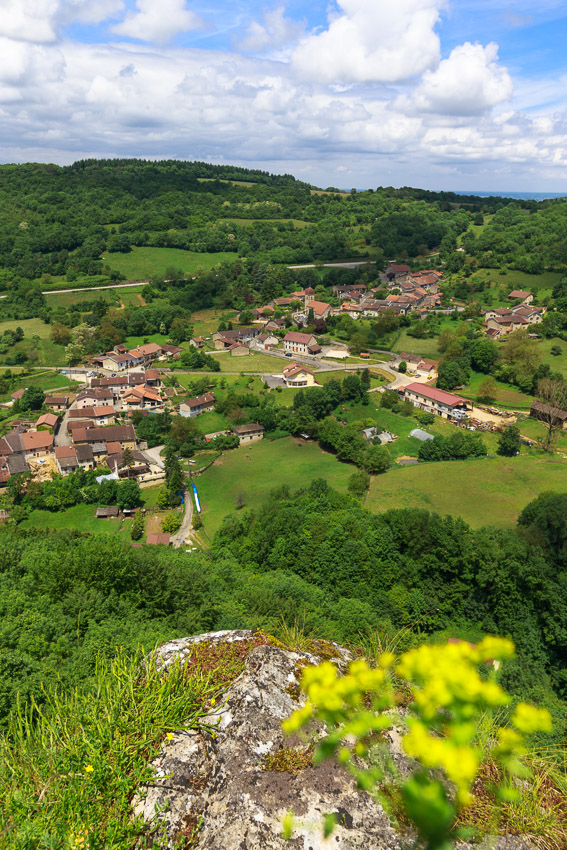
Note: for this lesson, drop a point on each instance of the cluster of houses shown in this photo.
(407, 292)
(205, 404)
(82, 433)
(120, 358)
(504, 320)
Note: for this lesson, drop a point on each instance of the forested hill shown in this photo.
(60, 221)
(315, 557)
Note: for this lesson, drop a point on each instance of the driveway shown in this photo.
(154, 456)
(186, 526)
(62, 437)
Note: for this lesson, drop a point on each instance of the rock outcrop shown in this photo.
(220, 780)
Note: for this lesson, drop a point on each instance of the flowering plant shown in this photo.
(449, 698)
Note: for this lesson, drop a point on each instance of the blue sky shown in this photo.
(469, 94)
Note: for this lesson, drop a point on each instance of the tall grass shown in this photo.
(69, 769)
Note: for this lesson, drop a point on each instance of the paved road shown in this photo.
(178, 539)
(95, 288)
(63, 438)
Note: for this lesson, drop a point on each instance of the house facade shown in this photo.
(299, 343)
(436, 401)
(248, 433)
(195, 406)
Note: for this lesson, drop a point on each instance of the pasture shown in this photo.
(257, 469)
(143, 262)
(489, 491)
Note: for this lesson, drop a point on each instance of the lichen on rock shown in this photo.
(216, 776)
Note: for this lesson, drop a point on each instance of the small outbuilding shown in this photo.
(421, 435)
(105, 512)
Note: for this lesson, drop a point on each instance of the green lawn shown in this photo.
(143, 262)
(206, 322)
(214, 421)
(489, 491)
(79, 518)
(44, 380)
(253, 362)
(520, 280)
(506, 394)
(558, 363)
(29, 327)
(256, 469)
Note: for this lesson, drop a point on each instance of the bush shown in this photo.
(171, 523)
(137, 526)
(358, 483)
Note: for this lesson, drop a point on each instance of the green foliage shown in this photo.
(32, 399)
(93, 750)
(510, 442)
(358, 483)
(458, 446)
(450, 700)
(138, 526)
(171, 523)
(402, 366)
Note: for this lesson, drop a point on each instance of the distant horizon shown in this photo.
(271, 168)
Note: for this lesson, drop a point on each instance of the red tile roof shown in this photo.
(434, 394)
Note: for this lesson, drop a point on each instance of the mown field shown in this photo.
(79, 518)
(558, 363)
(257, 469)
(519, 280)
(30, 327)
(120, 297)
(142, 263)
(507, 395)
(490, 491)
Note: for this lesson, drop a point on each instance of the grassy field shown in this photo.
(557, 363)
(520, 280)
(424, 347)
(506, 394)
(206, 322)
(126, 297)
(253, 362)
(535, 430)
(79, 518)
(45, 381)
(30, 327)
(489, 491)
(143, 263)
(43, 352)
(256, 469)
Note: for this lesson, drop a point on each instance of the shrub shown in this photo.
(171, 523)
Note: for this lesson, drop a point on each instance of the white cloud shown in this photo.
(469, 82)
(276, 31)
(41, 20)
(372, 41)
(158, 21)
(68, 100)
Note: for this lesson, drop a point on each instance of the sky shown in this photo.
(466, 95)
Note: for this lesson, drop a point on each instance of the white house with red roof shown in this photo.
(436, 401)
(299, 343)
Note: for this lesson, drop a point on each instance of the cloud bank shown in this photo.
(369, 96)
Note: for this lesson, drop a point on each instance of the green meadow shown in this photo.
(142, 263)
(257, 469)
(483, 491)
